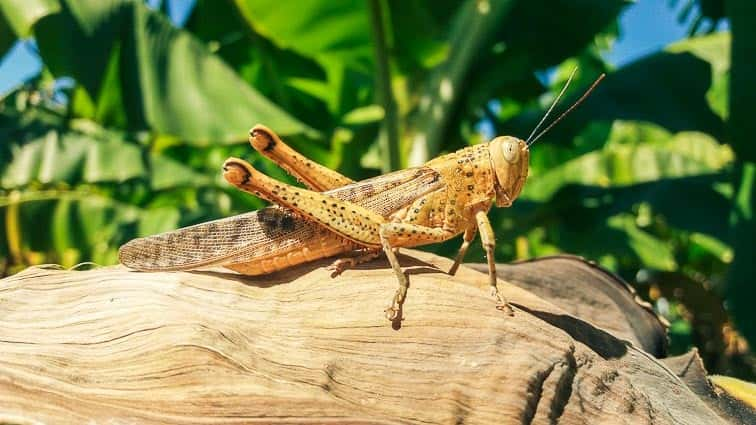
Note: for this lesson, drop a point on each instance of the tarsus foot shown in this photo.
(501, 303)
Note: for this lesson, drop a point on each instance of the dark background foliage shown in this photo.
(123, 132)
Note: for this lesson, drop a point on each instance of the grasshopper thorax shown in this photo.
(509, 158)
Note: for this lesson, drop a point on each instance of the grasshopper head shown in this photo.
(510, 157)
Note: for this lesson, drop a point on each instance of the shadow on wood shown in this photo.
(117, 346)
(587, 291)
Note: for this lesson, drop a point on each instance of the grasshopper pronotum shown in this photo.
(437, 201)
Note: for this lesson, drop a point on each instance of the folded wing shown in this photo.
(261, 233)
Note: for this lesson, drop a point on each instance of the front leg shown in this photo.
(489, 243)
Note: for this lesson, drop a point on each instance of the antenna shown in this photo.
(570, 109)
(553, 104)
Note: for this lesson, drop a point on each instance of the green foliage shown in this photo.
(129, 58)
(123, 132)
(18, 16)
(740, 286)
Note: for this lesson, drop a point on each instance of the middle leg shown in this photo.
(394, 235)
(466, 239)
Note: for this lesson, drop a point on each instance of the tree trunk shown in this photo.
(116, 346)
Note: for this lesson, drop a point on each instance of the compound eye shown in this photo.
(510, 151)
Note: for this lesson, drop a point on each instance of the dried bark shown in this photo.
(300, 347)
(590, 293)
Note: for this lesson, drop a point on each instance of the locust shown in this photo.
(333, 216)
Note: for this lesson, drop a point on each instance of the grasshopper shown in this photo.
(333, 215)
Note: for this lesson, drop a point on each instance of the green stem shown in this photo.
(384, 93)
(740, 286)
(12, 229)
(475, 25)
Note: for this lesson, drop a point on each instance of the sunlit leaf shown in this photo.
(337, 30)
(170, 82)
(652, 252)
(742, 390)
(477, 29)
(20, 15)
(71, 157)
(714, 246)
(653, 89)
(685, 154)
(363, 115)
(259, 61)
(113, 160)
(168, 173)
(714, 49)
(158, 220)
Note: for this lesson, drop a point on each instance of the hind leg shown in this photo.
(345, 263)
(310, 173)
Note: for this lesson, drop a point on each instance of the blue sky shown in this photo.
(646, 26)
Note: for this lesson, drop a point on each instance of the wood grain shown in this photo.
(117, 346)
(590, 293)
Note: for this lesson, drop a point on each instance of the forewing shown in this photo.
(247, 236)
(390, 192)
(214, 242)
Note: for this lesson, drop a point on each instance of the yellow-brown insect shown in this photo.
(447, 196)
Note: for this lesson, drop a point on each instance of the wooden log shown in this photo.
(590, 293)
(116, 346)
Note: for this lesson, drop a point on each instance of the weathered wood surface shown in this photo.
(591, 293)
(116, 346)
(689, 367)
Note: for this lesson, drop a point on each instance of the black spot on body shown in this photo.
(287, 222)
